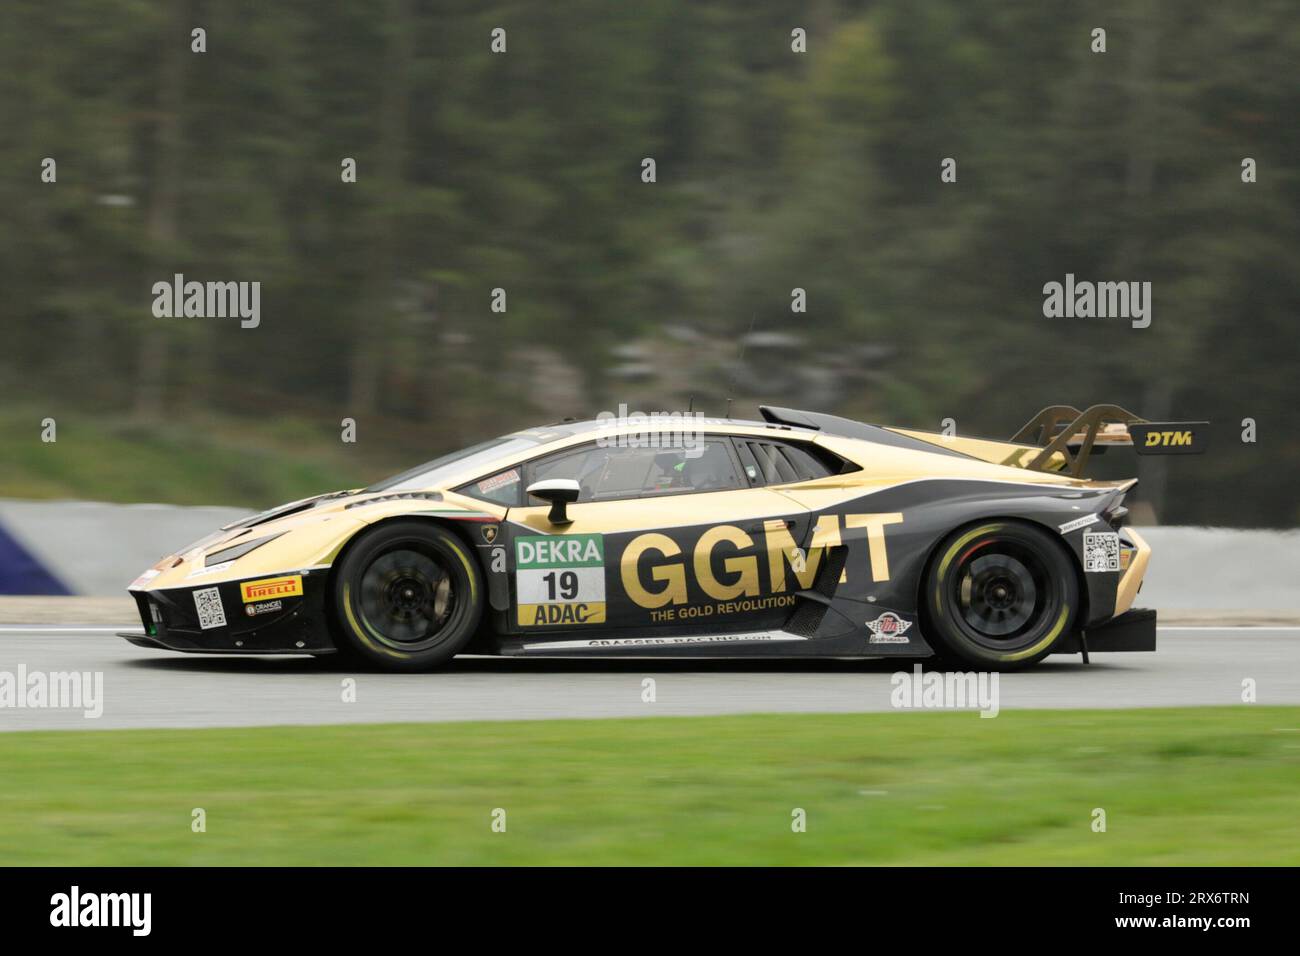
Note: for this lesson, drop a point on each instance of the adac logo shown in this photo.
(1168, 439)
(889, 628)
(489, 532)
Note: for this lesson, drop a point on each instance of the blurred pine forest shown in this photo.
(776, 170)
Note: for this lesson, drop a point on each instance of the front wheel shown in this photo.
(1000, 595)
(408, 596)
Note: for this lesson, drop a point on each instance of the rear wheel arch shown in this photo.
(937, 553)
(933, 554)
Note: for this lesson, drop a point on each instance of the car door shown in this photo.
(670, 538)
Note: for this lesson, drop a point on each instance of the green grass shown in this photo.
(223, 462)
(1202, 786)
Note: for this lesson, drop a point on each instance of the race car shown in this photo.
(801, 535)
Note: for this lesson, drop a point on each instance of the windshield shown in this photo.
(441, 471)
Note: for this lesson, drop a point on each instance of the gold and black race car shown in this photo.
(803, 535)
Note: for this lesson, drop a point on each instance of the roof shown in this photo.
(653, 421)
(783, 420)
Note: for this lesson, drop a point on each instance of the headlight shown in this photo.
(238, 550)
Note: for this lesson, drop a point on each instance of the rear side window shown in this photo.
(804, 464)
(779, 463)
(773, 465)
(753, 474)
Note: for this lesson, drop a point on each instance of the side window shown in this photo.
(781, 463)
(773, 465)
(608, 473)
(503, 488)
(805, 465)
(748, 463)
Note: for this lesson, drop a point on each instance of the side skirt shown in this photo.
(742, 644)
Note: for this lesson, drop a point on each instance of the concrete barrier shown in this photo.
(91, 548)
(1222, 568)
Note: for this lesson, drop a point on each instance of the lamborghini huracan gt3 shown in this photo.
(803, 535)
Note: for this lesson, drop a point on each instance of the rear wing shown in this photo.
(1067, 437)
(1060, 438)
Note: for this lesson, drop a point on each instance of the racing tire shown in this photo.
(408, 596)
(1000, 595)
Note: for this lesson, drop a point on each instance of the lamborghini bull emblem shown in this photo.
(661, 578)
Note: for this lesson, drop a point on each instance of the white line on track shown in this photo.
(1228, 627)
(62, 629)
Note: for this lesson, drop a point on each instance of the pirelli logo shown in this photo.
(269, 588)
(1168, 438)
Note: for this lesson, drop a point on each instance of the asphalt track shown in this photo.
(146, 688)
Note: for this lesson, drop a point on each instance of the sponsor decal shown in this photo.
(560, 579)
(489, 532)
(268, 588)
(889, 628)
(533, 615)
(266, 607)
(510, 477)
(1101, 551)
(1078, 523)
(207, 602)
(212, 569)
(597, 644)
(1168, 438)
(727, 563)
(144, 579)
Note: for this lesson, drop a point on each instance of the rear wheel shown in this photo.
(1000, 595)
(408, 596)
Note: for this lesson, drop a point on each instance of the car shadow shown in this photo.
(475, 664)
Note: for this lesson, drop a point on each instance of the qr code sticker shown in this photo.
(1101, 551)
(208, 603)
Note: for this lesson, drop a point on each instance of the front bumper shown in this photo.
(284, 624)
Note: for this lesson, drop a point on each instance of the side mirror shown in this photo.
(560, 492)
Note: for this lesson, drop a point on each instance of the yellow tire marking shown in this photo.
(360, 631)
(938, 595)
(952, 553)
(1051, 636)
